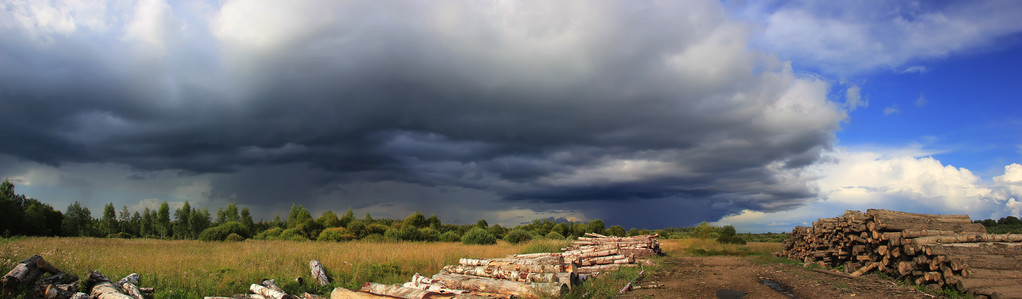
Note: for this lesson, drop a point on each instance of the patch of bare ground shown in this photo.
(727, 276)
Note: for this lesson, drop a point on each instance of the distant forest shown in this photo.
(23, 216)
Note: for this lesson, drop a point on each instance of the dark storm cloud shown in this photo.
(547, 102)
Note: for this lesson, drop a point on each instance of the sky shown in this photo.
(759, 114)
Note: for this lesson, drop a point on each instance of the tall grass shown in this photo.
(189, 269)
(705, 247)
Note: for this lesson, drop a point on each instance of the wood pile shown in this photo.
(597, 253)
(932, 250)
(28, 275)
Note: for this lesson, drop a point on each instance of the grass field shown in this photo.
(190, 269)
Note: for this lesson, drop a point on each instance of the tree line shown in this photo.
(30, 217)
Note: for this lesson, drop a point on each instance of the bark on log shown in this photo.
(995, 262)
(270, 284)
(973, 248)
(399, 291)
(132, 290)
(107, 290)
(1000, 291)
(986, 273)
(864, 269)
(80, 295)
(63, 291)
(966, 238)
(488, 285)
(318, 274)
(975, 283)
(27, 272)
(57, 279)
(269, 293)
(311, 296)
(132, 278)
(339, 293)
(491, 272)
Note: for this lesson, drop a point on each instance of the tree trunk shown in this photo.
(107, 290)
(63, 291)
(505, 287)
(349, 294)
(973, 248)
(1011, 291)
(401, 291)
(269, 293)
(132, 290)
(501, 274)
(985, 273)
(269, 284)
(28, 271)
(318, 274)
(966, 238)
(864, 269)
(132, 278)
(80, 295)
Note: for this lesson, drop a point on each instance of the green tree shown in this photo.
(108, 225)
(728, 235)
(276, 221)
(348, 217)
(482, 223)
(368, 219)
(596, 226)
(561, 229)
(163, 221)
(77, 221)
(478, 235)
(147, 226)
(433, 221)
(416, 220)
(198, 221)
(703, 230)
(329, 219)
(232, 212)
(134, 224)
(246, 220)
(616, 230)
(517, 236)
(298, 215)
(11, 210)
(182, 216)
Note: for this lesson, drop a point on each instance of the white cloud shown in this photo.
(845, 38)
(154, 23)
(921, 100)
(853, 98)
(860, 180)
(914, 69)
(893, 109)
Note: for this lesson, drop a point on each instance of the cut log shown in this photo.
(399, 291)
(492, 272)
(318, 274)
(311, 296)
(997, 292)
(505, 287)
(339, 293)
(62, 291)
(864, 269)
(973, 248)
(975, 283)
(986, 273)
(270, 284)
(80, 295)
(269, 293)
(107, 290)
(27, 272)
(132, 290)
(966, 238)
(132, 278)
(59, 278)
(994, 262)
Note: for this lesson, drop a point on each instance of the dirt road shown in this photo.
(735, 277)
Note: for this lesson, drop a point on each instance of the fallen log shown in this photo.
(400, 291)
(966, 238)
(269, 293)
(318, 274)
(504, 287)
(346, 293)
(491, 272)
(270, 284)
(27, 272)
(107, 290)
(864, 269)
(62, 291)
(132, 290)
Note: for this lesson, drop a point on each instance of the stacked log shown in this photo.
(597, 253)
(29, 274)
(933, 250)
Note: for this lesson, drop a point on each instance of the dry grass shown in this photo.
(711, 247)
(195, 269)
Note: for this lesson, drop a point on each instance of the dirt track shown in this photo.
(721, 276)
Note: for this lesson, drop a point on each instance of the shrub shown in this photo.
(450, 236)
(479, 236)
(429, 234)
(292, 234)
(392, 234)
(356, 228)
(221, 232)
(376, 228)
(517, 236)
(269, 234)
(554, 236)
(376, 238)
(234, 227)
(727, 236)
(120, 235)
(335, 234)
(234, 238)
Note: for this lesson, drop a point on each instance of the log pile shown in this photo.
(597, 253)
(932, 250)
(29, 275)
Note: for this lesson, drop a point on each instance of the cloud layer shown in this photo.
(535, 102)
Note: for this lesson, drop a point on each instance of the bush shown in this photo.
(269, 234)
(376, 238)
(292, 234)
(376, 228)
(554, 236)
(234, 238)
(517, 236)
(450, 236)
(392, 234)
(356, 228)
(221, 232)
(727, 236)
(120, 235)
(479, 236)
(429, 234)
(335, 234)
